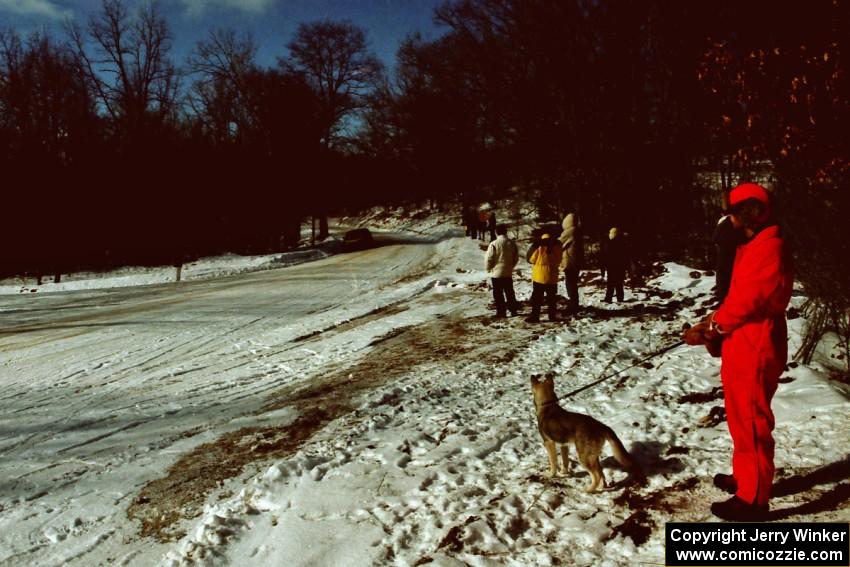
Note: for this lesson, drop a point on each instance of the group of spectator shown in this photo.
(479, 223)
(550, 256)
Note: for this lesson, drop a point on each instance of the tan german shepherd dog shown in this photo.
(558, 427)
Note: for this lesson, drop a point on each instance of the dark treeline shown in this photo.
(621, 111)
(111, 155)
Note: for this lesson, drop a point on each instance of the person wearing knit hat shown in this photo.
(750, 205)
(754, 350)
(614, 263)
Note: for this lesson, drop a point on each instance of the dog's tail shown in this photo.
(620, 452)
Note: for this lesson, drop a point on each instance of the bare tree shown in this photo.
(335, 59)
(43, 100)
(224, 63)
(224, 55)
(126, 60)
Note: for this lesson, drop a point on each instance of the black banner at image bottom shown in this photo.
(801, 544)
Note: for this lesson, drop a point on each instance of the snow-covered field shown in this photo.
(367, 409)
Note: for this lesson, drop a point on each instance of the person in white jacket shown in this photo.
(502, 256)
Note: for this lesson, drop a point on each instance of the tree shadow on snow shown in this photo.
(829, 500)
(666, 312)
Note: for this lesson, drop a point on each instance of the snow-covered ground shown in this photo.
(367, 409)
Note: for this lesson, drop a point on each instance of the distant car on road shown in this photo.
(357, 239)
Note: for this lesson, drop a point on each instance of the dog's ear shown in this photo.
(550, 376)
(534, 378)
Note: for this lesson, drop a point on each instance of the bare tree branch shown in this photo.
(335, 59)
(125, 58)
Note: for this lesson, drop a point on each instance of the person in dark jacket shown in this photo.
(615, 261)
(471, 221)
(726, 241)
(482, 224)
(491, 225)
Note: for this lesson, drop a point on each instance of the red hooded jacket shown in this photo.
(753, 313)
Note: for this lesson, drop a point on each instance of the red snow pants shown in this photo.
(747, 397)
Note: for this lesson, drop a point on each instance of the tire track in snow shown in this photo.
(101, 381)
(115, 374)
(110, 433)
(162, 503)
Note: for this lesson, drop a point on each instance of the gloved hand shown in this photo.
(703, 334)
(696, 335)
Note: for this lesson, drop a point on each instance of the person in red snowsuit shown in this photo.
(751, 324)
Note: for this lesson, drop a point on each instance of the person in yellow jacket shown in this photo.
(545, 261)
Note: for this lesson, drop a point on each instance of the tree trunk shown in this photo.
(817, 320)
(560, 187)
(323, 226)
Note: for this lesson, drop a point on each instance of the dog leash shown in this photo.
(642, 360)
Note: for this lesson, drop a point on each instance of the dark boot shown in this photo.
(726, 483)
(736, 510)
(514, 308)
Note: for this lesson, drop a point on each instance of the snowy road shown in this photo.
(101, 389)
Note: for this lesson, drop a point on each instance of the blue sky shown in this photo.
(272, 22)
